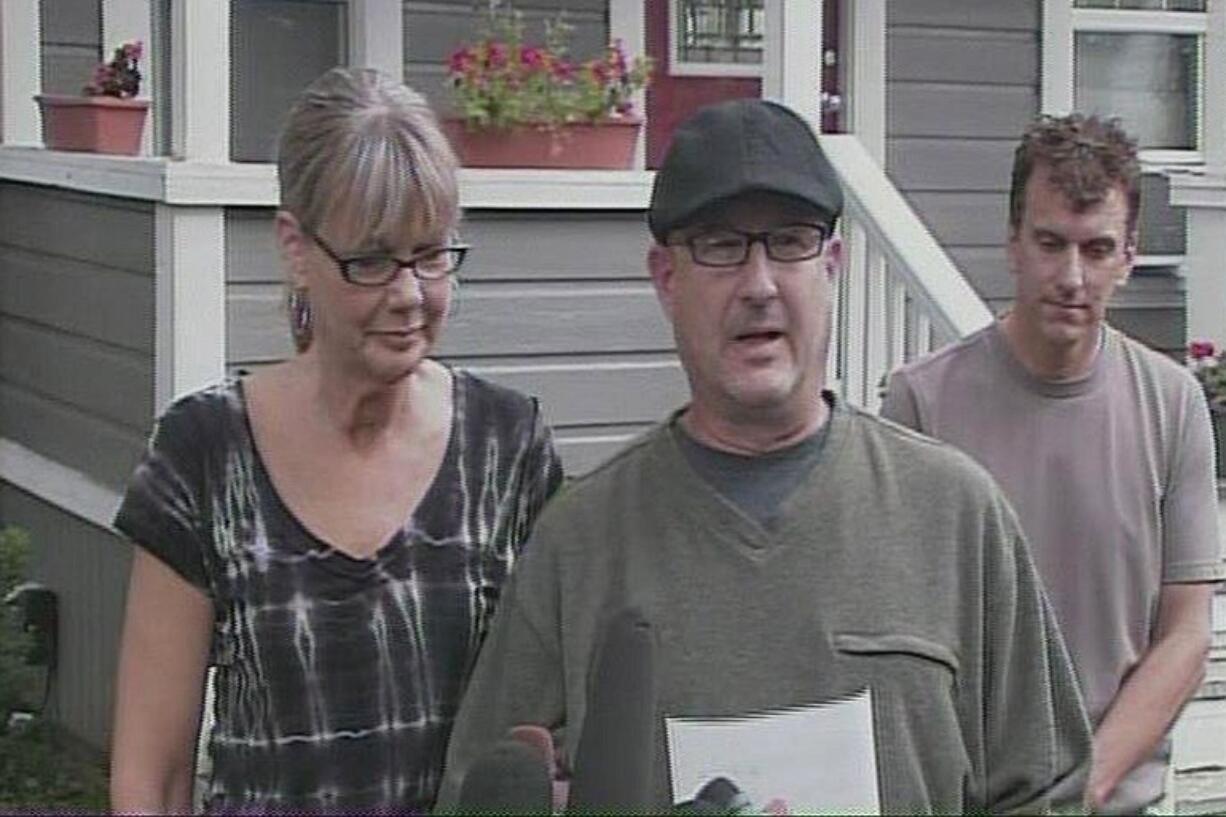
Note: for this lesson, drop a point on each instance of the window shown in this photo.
(716, 37)
(277, 47)
(1143, 61)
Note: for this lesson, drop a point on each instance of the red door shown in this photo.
(672, 98)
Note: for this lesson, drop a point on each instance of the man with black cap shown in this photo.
(786, 548)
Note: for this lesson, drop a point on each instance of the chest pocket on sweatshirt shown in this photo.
(922, 760)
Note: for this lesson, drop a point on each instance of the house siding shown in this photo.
(76, 327)
(76, 387)
(962, 83)
(87, 567)
(555, 304)
(71, 40)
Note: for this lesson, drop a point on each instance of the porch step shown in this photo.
(1200, 791)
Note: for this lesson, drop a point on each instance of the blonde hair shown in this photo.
(361, 144)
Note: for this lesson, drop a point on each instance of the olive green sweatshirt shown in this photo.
(895, 565)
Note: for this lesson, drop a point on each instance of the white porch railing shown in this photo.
(901, 295)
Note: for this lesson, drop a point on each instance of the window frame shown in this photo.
(677, 67)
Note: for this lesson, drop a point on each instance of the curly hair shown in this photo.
(1085, 156)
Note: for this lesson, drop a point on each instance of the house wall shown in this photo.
(556, 304)
(76, 387)
(71, 43)
(962, 82)
(88, 569)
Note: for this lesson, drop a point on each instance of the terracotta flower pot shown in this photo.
(100, 124)
(606, 145)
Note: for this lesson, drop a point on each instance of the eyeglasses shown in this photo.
(726, 247)
(433, 264)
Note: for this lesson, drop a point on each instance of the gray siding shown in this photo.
(76, 327)
(962, 83)
(432, 30)
(554, 304)
(71, 42)
(87, 567)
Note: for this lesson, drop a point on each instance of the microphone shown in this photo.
(616, 752)
(508, 778)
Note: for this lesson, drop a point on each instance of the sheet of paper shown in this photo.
(816, 759)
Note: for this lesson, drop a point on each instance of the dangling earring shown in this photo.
(453, 302)
(299, 306)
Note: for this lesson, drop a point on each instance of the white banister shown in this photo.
(912, 252)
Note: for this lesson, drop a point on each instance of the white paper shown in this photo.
(817, 759)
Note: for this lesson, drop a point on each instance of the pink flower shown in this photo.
(133, 50)
(496, 55)
(599, 72)
(1202, 349)
(617, 58)
(563, 70)
(461, 60)
(532, 58)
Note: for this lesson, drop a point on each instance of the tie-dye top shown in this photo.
(338, 678)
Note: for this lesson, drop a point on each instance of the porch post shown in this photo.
(189, 249)
(376, 36)
(628, 23)
(792, 57)
(20, 76)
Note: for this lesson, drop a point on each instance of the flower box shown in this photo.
(604, 145)
(100, 124)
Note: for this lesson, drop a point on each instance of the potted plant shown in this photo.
(106, 118)
(531, 105)
(1209, 366)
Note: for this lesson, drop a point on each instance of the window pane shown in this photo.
(1163, 230)
(71, 44)
(1147, 80)
(720, 31)
(277, 48)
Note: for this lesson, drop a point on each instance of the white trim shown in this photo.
(1199, 190)
(1213, 106)
(190, 300)
(200, 79)
(1155, 160)
(221, 184)
(124, 21)
(1142, 261)
(911, 250)
(792, 57)
(864, 48)
(376, 35)
(1056, 71)
(1127, 21)
(20, 77)
(66, 488)
(678, 67)
(628, 23)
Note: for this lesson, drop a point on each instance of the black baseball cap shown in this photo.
(740, 146)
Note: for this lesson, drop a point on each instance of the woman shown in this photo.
(332, 531)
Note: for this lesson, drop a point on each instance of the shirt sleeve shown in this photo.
(542, 476)
(1037, 736)
(161, 508)
(900, 404)
(1191, 541)
(519, 677)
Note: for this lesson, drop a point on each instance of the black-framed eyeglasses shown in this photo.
(726, 247)
(376, 270)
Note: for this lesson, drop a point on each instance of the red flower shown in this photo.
(461, 60)
(1202, 349)
(563, 70)
(496, 55)
(532, 58)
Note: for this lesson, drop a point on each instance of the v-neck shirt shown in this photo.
(338, 677)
